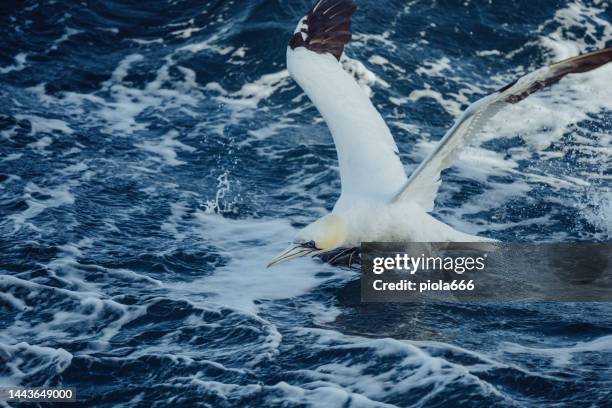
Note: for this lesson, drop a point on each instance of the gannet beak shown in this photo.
(294, 251)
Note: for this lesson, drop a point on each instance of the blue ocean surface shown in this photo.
(155, 155)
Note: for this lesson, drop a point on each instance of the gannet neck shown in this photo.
(326, 233)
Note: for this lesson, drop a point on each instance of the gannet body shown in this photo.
(378, 202)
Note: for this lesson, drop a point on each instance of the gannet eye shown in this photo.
(307, 244)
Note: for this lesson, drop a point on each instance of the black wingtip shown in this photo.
(582, 63)
(326, 27)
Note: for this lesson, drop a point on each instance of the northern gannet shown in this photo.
(378, 202)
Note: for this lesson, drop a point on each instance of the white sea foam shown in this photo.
(269, 131)
(19, 357)
(75, 168)
(385, 63)
(237, 57)
(140, 41)
(413, 367)
(245, 279)
(52, 197)
(84, 306)
(188, 31)
(12, 156)
(20, 64)
(451, 106)
(486, 53)
(13, 302)
(435, 68)
(45, 125)
(251, 94)
(165, 149)
(240, 52)
(210, 44)
(68, 32)
(563, 356)
(363, 39)
(118, 104)
(323, 394)
(589, 19)
(171, 225)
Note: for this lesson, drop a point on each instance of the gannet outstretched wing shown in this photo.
(423, 184)
(367, 153)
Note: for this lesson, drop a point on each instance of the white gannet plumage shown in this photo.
(378, 202)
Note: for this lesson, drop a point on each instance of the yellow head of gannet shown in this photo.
(323, 235)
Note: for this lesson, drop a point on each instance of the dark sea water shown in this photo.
(154, 155)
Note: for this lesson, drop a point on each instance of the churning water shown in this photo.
(154, 155)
